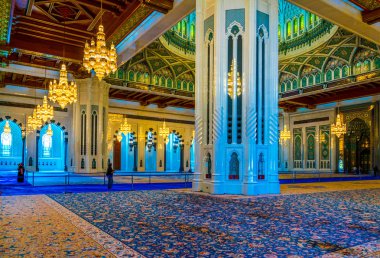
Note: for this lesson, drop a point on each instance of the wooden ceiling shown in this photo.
(61, 27)
(370, 10)
(343, 89)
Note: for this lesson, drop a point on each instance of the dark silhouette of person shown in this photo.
(20, 173)
(109, 175)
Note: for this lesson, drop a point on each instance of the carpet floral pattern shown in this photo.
(164, 223)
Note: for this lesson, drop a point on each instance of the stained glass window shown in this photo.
(6, 143)
(47, 143)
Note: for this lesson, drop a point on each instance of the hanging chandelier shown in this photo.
(125, 128)
(119, 137)
(338, 128)
(164, 131)
(49, 131)
(63, 92)
(7, 128)
(285, 134)
(232, 75)
(97, 56)
(321, 137)
(34, 122)
(45, 111)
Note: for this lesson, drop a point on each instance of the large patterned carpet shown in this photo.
(170, 224)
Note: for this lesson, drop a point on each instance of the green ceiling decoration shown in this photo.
(5, 10)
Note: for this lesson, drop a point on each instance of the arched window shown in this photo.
(192, 32)
(163, 81)
(279, 31)
(295, 27)
(47, 144)
(311, 19)
(302, 23)
(366, 67)
(6, 140)
(120, 74)
(318, 78)
(295, 84)
(310, 80)
(345, 71)
(283, 87)
(337, 73)
(179, 83)
(156, 80)
(184, 85)
(304, 82)
(191, 86)
(377, 62)
(146, 78)
(131, 76)
(288, 85)
(170, 83)
(184, 28)
(329, 75)
(139, 77)
(179, 27)
(234, 167)
(288, 30)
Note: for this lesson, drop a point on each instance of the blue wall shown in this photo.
(173, 155)
(126, 154)
(56, 161)
(10, 162)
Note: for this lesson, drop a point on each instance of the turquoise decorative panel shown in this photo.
(209, 24)
(235, 15)
(262, 19)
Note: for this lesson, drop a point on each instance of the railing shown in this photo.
(325, 164)
(316, 175)
(68, 178)
(298, 163)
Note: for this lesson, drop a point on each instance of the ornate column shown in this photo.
(236, 116)
(37, 140)
(91, 114)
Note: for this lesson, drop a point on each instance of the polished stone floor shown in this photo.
(308, 220)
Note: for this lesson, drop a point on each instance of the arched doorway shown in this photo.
(150, 151)
(127, 152)
(357, 147)
(10, 145)
(173, 153)
(51, 148)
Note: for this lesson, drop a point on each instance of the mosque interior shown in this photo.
(241, 95)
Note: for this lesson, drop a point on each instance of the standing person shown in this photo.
(20, 173)
(109, 175)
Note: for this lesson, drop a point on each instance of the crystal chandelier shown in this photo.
(97, 56)
(284, 134)
(45, 111)
(33, 121)
(164, 131)
(231, 80)
(7, 128)
(125, 128)
(119, 137)
(62, 92)
(338, 128)
(49, 131)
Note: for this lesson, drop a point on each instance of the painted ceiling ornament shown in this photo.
(338, 128)
(49, 130)
(97, 56)
(7, 128)
(63, 92)
(164, 132)
(45, 111)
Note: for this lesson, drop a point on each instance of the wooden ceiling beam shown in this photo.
(371, 17)
(29, 8)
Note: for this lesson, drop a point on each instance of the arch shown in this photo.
(302, 23)
(51, 148)
(288, 30)
(329, 75)
(131, 76)
(345, 71)
(150, 150)
(173, 152)
(304, 81)
(337, 73)
(10, 145)
(128, 143)
(295, 27)
(234, 170)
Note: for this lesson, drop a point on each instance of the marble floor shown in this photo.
(339, 219)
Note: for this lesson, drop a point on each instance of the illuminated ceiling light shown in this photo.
(164, 131)
(284, 134)
(7, 128)
(97, 56)
(125, 128)
(33, 121)
(45, 111)
(338, 128)
(232, 76)
(49, 131)
(62, 92)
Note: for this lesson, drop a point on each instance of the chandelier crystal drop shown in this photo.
(98, 57)
(63, 92)
(49, 131)
(33, 121)
(285, 134)
(45, 111)
(164, 131)
(125, 128)
(7, 128)
(338, 128)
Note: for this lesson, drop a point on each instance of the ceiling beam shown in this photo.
(371, 17)
(29, 8)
